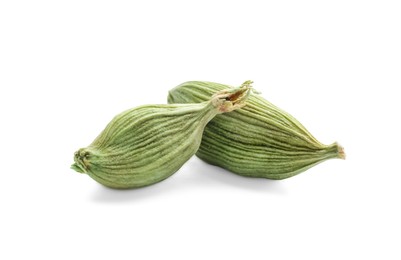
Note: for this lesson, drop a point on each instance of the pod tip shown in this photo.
(341, 152)
(228, 100)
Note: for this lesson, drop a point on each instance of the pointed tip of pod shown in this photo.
(228, 100)
(81, 160)
(340, 151)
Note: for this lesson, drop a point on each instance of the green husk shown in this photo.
(147, 144)
(258, 140)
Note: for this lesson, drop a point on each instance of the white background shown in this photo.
(67, 67)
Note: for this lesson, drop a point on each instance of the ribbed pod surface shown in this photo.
(147, 144)
(258, 140)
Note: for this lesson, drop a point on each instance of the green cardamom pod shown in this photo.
(259, 140)
(147, 144)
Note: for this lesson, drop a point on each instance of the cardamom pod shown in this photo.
(147, 144)
(259, 140)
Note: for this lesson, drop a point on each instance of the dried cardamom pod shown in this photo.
(147, 144)
(259, 140)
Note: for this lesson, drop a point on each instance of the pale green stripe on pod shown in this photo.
(147, 144)
(258, 140)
